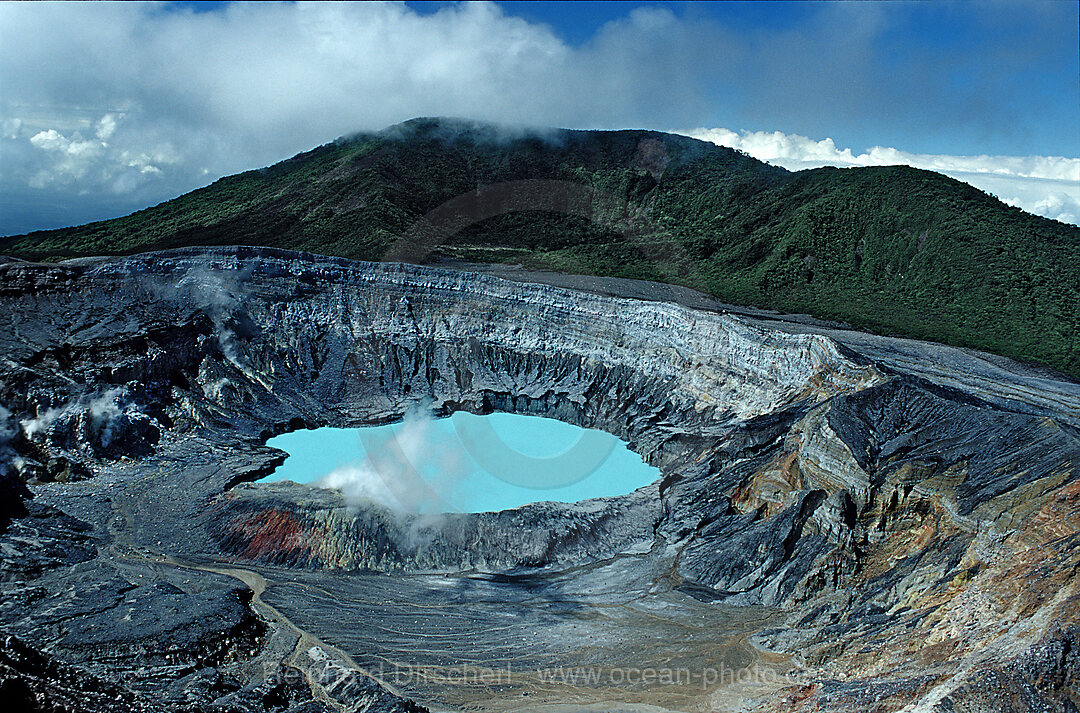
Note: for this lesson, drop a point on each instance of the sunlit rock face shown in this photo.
(907, 513)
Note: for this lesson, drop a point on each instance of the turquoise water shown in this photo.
(464, 463)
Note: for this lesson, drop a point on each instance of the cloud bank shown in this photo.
(1045, 185)
(109, 107)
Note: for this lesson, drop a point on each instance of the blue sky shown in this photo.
(106, 108)
(932, 77)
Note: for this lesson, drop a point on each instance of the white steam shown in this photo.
(103, 415)
(215, 388)
(32, 427)
(412, 470)
(8, 429)
(100, 416)
(360, 483)
(215, 294)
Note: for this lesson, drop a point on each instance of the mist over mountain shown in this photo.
(892, 249)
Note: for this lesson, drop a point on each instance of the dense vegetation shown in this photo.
(892, 249)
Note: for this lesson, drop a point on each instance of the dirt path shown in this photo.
(323, 665)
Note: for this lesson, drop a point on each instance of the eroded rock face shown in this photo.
(910, 522)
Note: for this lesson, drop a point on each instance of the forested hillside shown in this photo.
(891, 249)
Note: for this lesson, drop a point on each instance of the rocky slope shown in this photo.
(867, 523)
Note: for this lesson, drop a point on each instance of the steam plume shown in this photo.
(406, 471)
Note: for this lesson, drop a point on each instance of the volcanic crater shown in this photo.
(844, 522)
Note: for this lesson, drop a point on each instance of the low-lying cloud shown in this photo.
(1044, 185)
(70, 158)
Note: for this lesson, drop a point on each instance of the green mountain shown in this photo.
(890, 249)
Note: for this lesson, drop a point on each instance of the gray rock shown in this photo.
(894, 520)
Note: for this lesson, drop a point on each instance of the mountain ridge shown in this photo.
(893, 250)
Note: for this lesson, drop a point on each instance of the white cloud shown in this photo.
(130, 100)
(1063, 206)
(126, 104)
(71, 157)
(106, 127)
(74, 159)
(1045, 185)
(10, 127)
